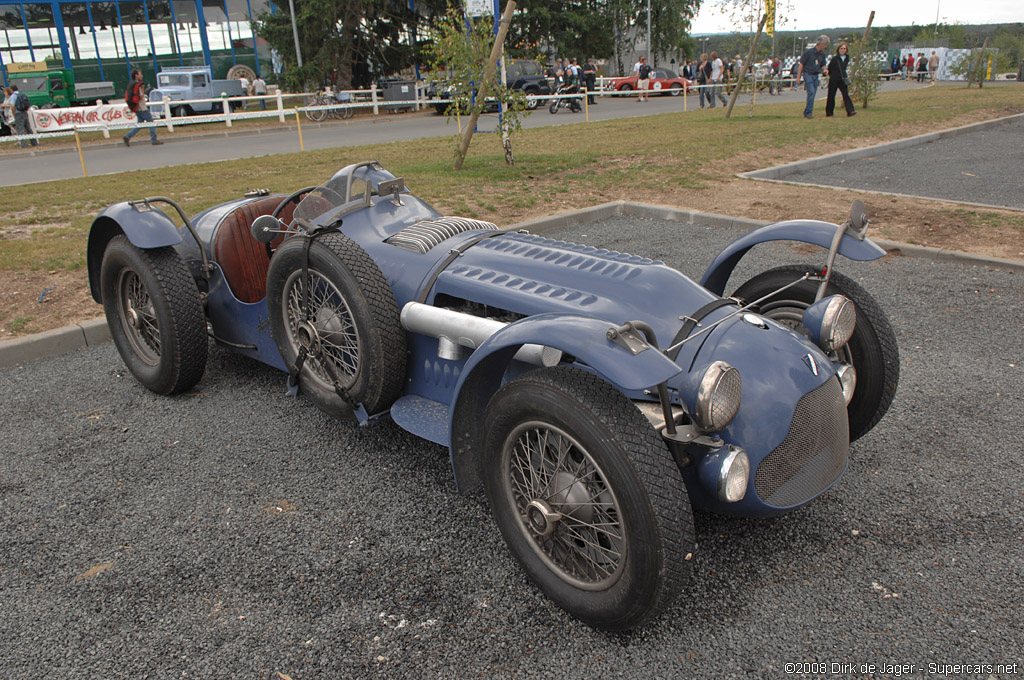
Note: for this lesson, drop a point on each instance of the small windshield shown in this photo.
(173, 79)
(351, 184)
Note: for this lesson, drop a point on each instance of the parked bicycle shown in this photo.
(335, 105)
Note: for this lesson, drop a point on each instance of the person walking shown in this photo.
(933, 65)
(811, 64)
(717, 73)
(259, 88)
(136, 98)
(839, 80)
(703, 78)
(22, 126)
(922, 67)
(590, 78)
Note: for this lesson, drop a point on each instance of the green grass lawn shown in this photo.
(556, 168)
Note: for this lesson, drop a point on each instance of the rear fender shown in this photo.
(144, 228)
(806, 231)
(581, 336)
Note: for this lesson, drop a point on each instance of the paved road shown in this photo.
(983, 166)
(182, 148)
(233, 532)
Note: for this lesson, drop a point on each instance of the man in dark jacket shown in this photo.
(590, 78)
(811, 65)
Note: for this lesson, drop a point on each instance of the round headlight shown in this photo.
(837, 323)
(735, 473)
(718, 396)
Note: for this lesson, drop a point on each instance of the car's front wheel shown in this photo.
(155, 315)
(675, 90)
(872, 349)
(587, 497)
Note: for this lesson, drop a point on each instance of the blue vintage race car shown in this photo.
(596, 396)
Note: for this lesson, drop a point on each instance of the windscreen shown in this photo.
(173, 79)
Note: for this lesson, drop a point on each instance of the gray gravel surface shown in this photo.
(236, 533)
(983, 166)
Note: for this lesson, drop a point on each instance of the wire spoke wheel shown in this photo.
(351, 331)
(586, 495)
(329, 333)
(155, 315)
(138, 317)
(566, 508)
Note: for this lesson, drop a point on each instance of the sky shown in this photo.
(814, 14)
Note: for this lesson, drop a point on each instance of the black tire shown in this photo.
(872, 350)
(531, 99)
(354, 324)
(575, 106)
(553, 108)
(675, 90)
(626, 554)
(626, 90)
(155, 315)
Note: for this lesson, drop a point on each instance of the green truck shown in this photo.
(56, 87)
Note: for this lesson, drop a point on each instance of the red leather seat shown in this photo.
(242, 258)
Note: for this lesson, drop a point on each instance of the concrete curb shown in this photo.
(778, 172)
(53, 342)
(88, 333)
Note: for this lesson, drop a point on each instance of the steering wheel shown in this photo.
(294, 197)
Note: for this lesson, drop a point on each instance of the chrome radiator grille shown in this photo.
(426, 234)
(812, 455)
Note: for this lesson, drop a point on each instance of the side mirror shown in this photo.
(265, 228)
(394, 187)
(858, 215)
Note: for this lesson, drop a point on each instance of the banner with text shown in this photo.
(50, 120)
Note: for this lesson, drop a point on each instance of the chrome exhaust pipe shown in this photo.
(455, 330)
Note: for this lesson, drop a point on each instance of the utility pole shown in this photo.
(648, 32)
(295, 33)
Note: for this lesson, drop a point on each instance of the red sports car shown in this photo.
(663, 81)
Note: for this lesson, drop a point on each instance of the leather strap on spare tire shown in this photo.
(335, 321)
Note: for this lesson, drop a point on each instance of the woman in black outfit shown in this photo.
(837, 80)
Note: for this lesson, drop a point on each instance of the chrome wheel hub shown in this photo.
(542, 518)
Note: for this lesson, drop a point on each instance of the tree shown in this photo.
(349, 44)
(863, 71)
(460, 50)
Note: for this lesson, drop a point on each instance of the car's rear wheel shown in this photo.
(532, 102)
(155, 315)
(872, 350)
(587, 497)
(350, 331)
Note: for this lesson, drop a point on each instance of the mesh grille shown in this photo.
(812, 455)
(426, 234)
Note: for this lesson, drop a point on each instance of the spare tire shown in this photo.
(351, 332)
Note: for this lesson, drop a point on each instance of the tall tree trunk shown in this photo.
(355, 10)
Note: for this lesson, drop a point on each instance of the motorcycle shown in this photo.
(574, 104)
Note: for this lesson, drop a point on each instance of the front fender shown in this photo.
(807, 231)
(146, 228)
(581, 336)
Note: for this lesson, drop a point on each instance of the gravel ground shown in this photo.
(981, 167)
(236, 533)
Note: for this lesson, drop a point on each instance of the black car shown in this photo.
(523, 75)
